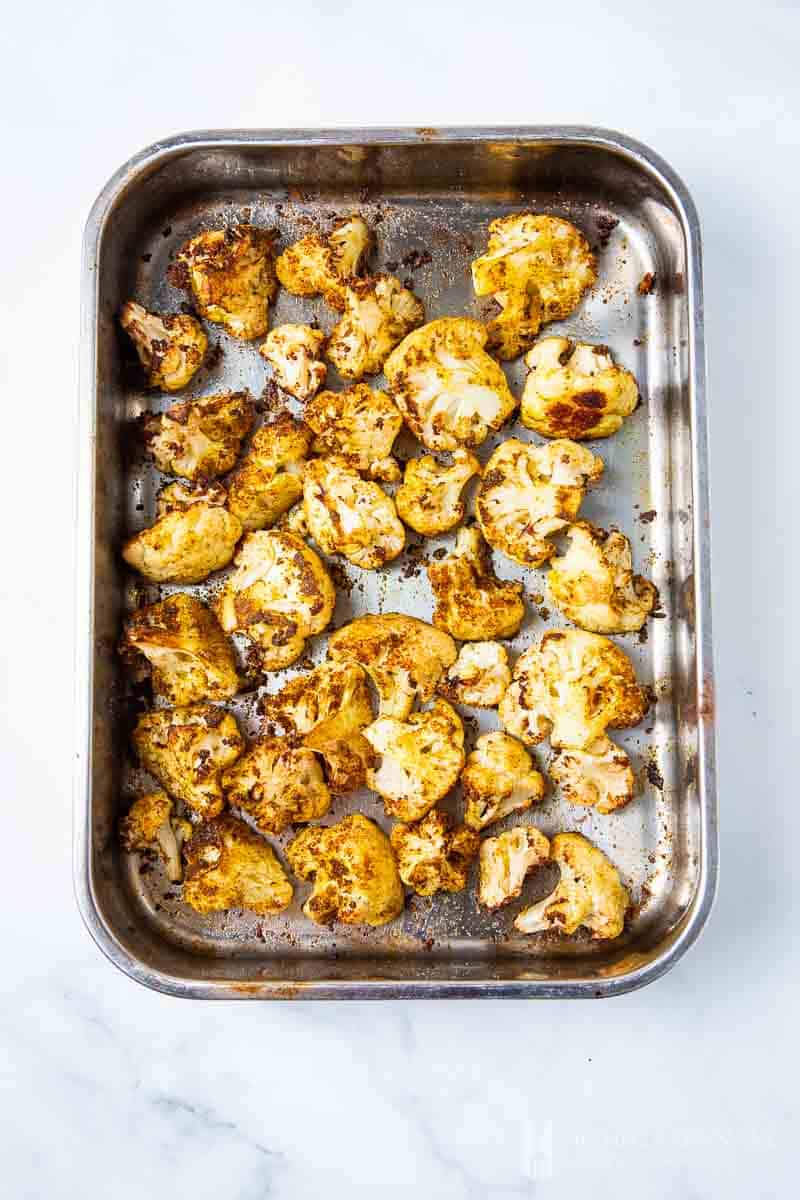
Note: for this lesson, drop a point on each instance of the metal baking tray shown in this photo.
(430, 191)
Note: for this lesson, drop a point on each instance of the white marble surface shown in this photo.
(686, 1089)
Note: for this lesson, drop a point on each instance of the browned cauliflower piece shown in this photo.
(499, 779)
(429, 499)
(349, 515)
(505, 861)
(228, 865)
(450, 392)
(278, 596)
(378, 313)
(199, 439)
(432, 856)
(479, 676)
(418, 761)
(358, 424)
(353, 871)
(193, 536)
(324, 263)
(574, 390)
(471, 602)
(293, 352)
(151, 825)
(594, 586)
(277, 784)
(589, 893)
(598, 777)
(515, 326)
(269, 480)
(231, 275)
(171, 348)
(185, 749)
(179, 497)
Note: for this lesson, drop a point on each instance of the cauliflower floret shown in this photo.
(471, 602)
(515, 327)
(150, 825)
(277, 784)
(505, 862)
(353, 870)
(589, 893)
(598, 777)
(171, 348)
(499, 779)
(193, 535)
(575, 391)
(450, 392)
(479, 676)
(403, 656)
(570, 687)
(530, 492)
(429, 498)
(378, 313)
(349, 515)
(231, 274)
(269, 480)
(324, 263)
(179, 497)
(326, 710)
(432, 856)
(199, 439)
(293, 353)
(190, 658)
(593, 584)
(419, 759)
(185, 749)
(278, 596)
(229, 866)
(358, 424)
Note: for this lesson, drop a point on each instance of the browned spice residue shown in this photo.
(655, 776)
(648, 517)
(647, 284)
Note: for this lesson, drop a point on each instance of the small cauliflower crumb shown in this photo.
(293, 352)
(574, 390)
(419, 759)
(378, 313)
(472, 604)
(432, 856)
(589, 893)
(594, 586)
(499, 779)
(430, 497)
(171, 348)
(359, 425)
(479, 676)
(505, 862)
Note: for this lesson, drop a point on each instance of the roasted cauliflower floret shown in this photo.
(269, 480)
(277, 784)
(278, 596)
(193, 535)
(199, 439)
(505, 861)
(322, 264)
(589, 893)
(514, 328)
(171, 348)
(231, 274)
(179, 497)
(403, 656)
(151, 825)
(594, 586)
(432, 856)
(358, 424)
(293, 352)
(349, 515)
(529, 492)
(326, 711)
(186, 749)
(574, 390)
(229, 866)
(498, 779)
(571, 687)
(429, 498)
(378, 313)
(190, 658)
(419, 759)
(471, 602)
(353, 870)
(598, 777)
(450, 392)
(479, 676)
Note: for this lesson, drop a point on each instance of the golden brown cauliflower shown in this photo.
(429, 498)
(450, 392)
(193, 536)
(499, 778)
(231, 274)
(199, 439)
(594, 586)
(349, 515)
(574, 390)
(171, 348)
(293, 352)
(178, 497)
(151, 825)
(185, 749)
(229, 866)
(530, 492)
(278, 596)
(589, 893)
(505, 861)
(358, 424)
(269, 480)
(353, 871)
(403, 656)
(277, 784)
(190, 658)
(378, 313)
(322, 264)
(471, 602)
(571, 687)
(419, 759)
(432, 856)
(598, 777)
(479, 676)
